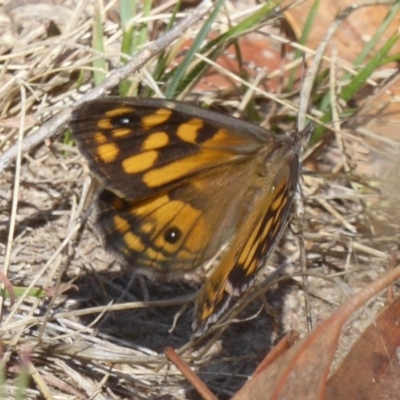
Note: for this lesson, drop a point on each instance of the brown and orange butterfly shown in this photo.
(180, 182)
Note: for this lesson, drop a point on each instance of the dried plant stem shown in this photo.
(196, 382)
(52, 126)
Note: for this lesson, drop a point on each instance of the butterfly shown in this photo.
(180, 182)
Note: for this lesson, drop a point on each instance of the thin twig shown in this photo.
(15, 197)
(194, 380)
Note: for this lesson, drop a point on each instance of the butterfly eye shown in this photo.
(172, 235)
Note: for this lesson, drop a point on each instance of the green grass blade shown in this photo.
(2, 378)
(144, 28)
(162, 61)
(127, 10)
(244, 26)
(357, 82)
(303, 39)
(217, 46)
(324, 104)
(393, 12)
(182, 68)
(393, 58)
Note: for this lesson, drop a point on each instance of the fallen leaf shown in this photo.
(371, 370)
(301, 372)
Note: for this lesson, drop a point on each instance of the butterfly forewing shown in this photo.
(142, 146)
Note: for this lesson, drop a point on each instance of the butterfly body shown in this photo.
(180, 182)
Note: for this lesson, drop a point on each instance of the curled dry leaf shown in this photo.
(302, 371)
(371, 369)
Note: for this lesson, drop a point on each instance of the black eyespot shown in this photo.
(124, 121)
(172, 235)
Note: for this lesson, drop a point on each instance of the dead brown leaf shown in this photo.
(357, 29)
(302, 371)
(371, 370)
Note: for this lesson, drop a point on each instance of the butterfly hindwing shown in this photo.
(176, 231)
(254, 241)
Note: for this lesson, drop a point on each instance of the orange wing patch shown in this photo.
(247, 254)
